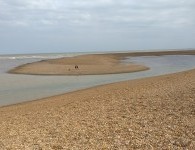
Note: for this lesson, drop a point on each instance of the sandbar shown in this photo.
(92, 64)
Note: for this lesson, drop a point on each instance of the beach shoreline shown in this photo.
(89, 88)
(149, 113)
(160, 107)
(90, 64)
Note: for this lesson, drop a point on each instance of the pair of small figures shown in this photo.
(76, 67)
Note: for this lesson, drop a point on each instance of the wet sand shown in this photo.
(94, 64)
(151, 113)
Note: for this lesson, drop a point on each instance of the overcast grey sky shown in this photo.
(36, 26)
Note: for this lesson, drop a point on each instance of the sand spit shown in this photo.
(150, 113)
(95, 64)
(87, 65)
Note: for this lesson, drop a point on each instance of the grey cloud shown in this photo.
(109, 19)
(79, 11)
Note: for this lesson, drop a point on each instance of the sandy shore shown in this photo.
(150, 113)
(90, 64)
(87, 65)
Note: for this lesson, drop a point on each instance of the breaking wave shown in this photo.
(51, 56)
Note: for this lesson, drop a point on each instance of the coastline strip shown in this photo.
(151, 113)
(92, 64)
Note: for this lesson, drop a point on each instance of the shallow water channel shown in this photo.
(20, 88)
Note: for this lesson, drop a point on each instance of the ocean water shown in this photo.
(20, 88)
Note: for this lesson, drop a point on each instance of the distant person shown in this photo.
(76, 67)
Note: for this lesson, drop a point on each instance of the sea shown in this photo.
(17, 88)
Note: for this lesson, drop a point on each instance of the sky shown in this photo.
(45, 26)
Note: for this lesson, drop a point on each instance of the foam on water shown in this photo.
(37, 56)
